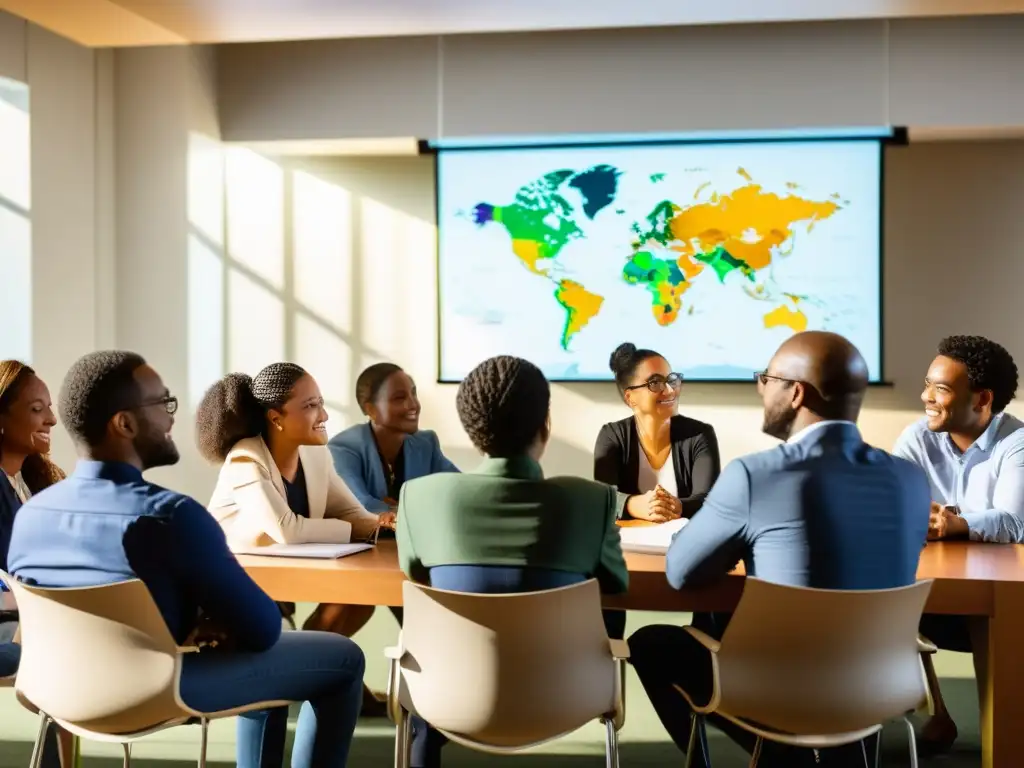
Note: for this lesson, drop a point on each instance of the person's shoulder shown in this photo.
(615, 429)
(350, 437)
(1012, 432)
(917, 432)
(425, 439)
(684, 427)
(248, 449)
(579, 489)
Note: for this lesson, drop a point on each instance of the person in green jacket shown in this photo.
(505, 528)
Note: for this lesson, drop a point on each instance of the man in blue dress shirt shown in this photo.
(973, 454)
(823, 510)
(106, 524)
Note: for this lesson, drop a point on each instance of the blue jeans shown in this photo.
(320, 669)
(10, 656)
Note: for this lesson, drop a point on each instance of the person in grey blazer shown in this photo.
(824, 510)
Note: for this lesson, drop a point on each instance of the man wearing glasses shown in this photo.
(106, 523)
(823, 510)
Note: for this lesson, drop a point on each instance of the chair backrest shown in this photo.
(814, 661)
(100, 658)
(506, 670)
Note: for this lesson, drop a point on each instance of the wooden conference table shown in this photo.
(971, 579)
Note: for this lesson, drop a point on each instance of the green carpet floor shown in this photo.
(643, 740)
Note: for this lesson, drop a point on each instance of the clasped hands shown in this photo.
(657, 506)
(943, 523)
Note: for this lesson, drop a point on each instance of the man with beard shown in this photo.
(105, 524)
(823, 510)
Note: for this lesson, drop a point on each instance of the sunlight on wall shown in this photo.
(321, 240)
(255, 214)
(255, 325)
(329, 359)
(205, 265)
(15, 222)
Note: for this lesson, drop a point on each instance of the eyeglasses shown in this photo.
(763, 377)
(658, 383)
(170, 403)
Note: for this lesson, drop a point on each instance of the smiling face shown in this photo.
(27, 417)
(302, 419)
(651, 391)
(154, 421)
(949, 403)
(396, 405)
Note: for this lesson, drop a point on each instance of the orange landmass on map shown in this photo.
(748, 223)
(670, 301)
(783, 316)
(580, 308)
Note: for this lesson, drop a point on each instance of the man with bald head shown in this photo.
(824, 509)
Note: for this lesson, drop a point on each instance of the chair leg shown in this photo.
(37, 749)
(912, 741)
(127, 754)
(878, 750)
(204, 725)
(756, 754)
(403, 740)
(611, 744)
(864, 752)
(691, 745)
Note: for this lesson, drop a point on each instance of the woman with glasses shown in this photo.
(662, 463)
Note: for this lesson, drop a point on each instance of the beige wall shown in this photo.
(71, 211)
(358, 286)
(965, 72)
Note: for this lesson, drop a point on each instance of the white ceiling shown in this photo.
(158, 22)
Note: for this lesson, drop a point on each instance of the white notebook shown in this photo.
(651, 539)
(316, 551)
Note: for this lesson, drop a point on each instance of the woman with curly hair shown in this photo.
(26, 418)
(277, 482)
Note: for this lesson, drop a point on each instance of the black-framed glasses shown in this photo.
(169, 402)
(763, 377)
(658, 383)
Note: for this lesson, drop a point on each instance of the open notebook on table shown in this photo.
(316, 551)
(650, 539)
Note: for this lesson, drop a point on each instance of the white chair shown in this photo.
(501, 673)
(816, 668)
(101, 663)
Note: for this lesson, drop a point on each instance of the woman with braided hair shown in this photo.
(277, 482)
(505, 528)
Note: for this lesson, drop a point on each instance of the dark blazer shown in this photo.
(9, 506)
(694, 454)
(825, 510)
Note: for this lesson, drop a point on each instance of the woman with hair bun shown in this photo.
(663, 463)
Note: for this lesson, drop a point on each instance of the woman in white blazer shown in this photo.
(277, 481)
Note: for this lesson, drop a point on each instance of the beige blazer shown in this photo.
(250, 504)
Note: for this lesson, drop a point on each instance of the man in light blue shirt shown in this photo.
(973, 454)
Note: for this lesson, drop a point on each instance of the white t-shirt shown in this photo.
(649, 478)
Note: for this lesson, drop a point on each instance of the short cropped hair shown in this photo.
(503, 405)
(989, 366)
(96, 387)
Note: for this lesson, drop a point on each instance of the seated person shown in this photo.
(824, 510)
(973, 454)
(26, 419)
(106, 524)
(376, 458)
(663, 462)
(277, 482)
(504, 528)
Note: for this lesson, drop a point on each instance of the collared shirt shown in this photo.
(20, 488)
(105, 524)
(986, 482)
(810, 429)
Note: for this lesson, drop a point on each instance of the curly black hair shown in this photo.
(989, 366)
(503, 405)
(236, 407)
(96, 387)
(371, 380)
(625, 360)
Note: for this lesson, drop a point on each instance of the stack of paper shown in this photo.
(317, 551)
(651, 539)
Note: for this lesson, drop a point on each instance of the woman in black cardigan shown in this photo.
(664, 463)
